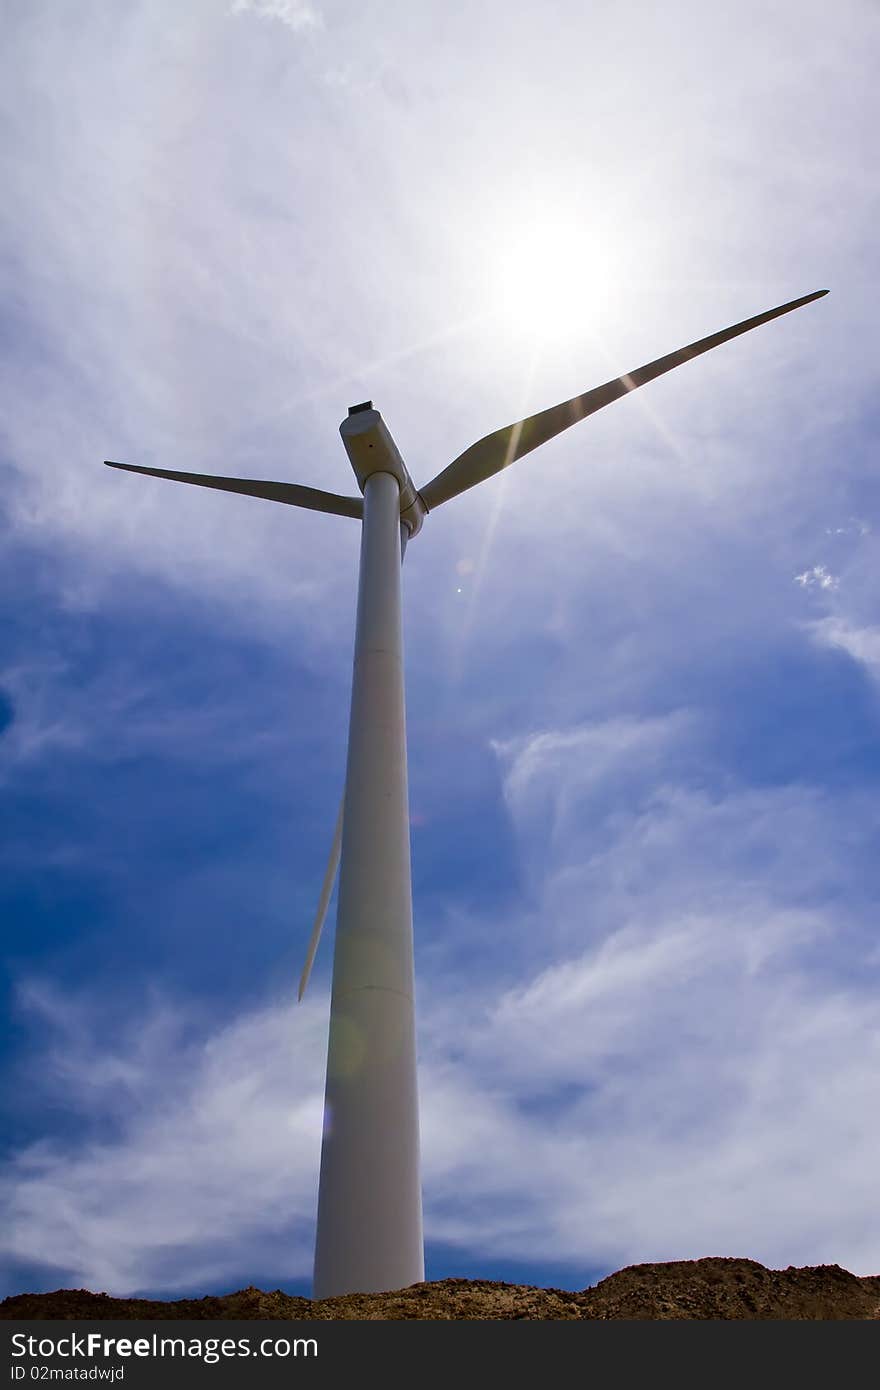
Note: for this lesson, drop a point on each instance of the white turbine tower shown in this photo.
(369, 1230)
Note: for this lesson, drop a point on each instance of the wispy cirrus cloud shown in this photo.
(681, 1090)
(648, 951)
(212, 1147)
(677, 1067)
(296, 14)
(862, 643)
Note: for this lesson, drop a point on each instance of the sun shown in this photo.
(550, 276)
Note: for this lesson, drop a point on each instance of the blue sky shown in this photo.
(642, 664)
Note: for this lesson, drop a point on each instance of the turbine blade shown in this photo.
(323, 901)
(496, 451)
(294, 494)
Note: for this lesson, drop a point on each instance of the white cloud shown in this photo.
(676, 1053)
(684, 1062)
(39, 726)
(855, 527)
(581, 760)
(706, 1108)
(296, 14)
(684, 1089)
(817, 575)
(207, 297)
(214, 1147)
(119, 710)
(861, 643)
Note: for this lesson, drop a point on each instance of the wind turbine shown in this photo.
(369, 1228)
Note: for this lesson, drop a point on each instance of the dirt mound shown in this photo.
(724, 1288)
(709, 1288)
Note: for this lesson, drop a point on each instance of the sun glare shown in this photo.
(550, 276)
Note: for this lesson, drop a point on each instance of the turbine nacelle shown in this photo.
(371, 449)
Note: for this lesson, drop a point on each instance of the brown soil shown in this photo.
(709, 1288)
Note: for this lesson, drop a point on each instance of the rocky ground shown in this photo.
(709, 1288)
